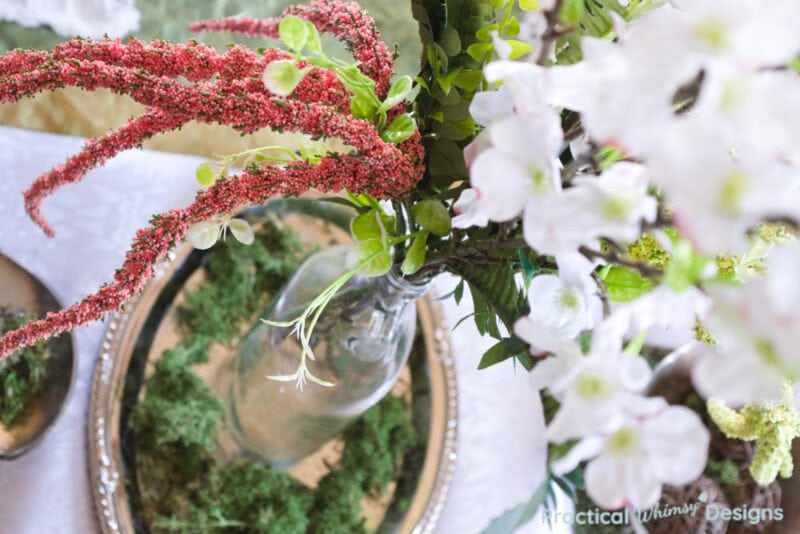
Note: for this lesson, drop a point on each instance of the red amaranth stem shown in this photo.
(96, 152)
(345, 20)
(242, 105)
(225, 196)
(225, 89)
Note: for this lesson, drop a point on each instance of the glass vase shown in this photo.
(360, 343)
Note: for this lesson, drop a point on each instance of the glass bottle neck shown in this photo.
(397, 287)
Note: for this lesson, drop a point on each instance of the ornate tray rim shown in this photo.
(105, 462)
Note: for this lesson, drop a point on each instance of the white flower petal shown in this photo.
(612, 483)
(583, 450)
(676, 442)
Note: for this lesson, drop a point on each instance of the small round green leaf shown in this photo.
(313, 43)
(281, 77)
(518, 49)
(529, 5)
(293, 32)
(450, 41)
(242, 231)
(205, 175)
(380, 258)
(203, 235)
(400, 129)
(366, 226)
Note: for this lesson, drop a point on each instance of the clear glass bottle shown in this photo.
(361, 343)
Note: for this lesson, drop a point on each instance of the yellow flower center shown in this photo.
(623, 443)
(618, 208)
(591, 386)
(540, 185)
(712, 32)
(731, 191)
(567, 301)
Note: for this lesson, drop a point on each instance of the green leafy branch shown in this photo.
(282, 77)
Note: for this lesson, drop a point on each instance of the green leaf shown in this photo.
(415, 256)
(400, 129)
(499, 4)
(515, 517)
(336, 200)
(458, 292)
(449, 130)
(313, 43)
(512, 27)
(205, 175)
(485, 33)
(356, 82)
(450, 41)
(382, 260)
(367, 226)
(526, 255)
(497, 287)
(478, 51)
(502, 350)
(362, 107)
(572, 11)
(281, 77)
(399, 91)
(485, 317)
(468, 80)
(432, 215)
(685, 268)
(529, 5)
(446, 162)
(518, 49)
(609, 155)
(624, 284)
(635, 346)
(294, 32)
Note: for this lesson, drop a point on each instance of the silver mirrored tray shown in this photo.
(20, 291)
(135, 338)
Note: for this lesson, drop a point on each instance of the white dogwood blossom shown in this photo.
(658, 445)
(757, 328)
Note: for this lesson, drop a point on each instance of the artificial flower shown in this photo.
(630, 464)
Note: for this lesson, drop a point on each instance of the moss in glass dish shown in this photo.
(21, 374)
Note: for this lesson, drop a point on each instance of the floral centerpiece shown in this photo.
(607, 178)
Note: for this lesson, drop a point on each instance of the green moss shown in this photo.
(182, 487)
(240, 281)
(22, 373)
(725, 471)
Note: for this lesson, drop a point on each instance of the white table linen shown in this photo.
(67, 18)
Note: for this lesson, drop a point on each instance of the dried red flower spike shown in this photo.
(225, 89)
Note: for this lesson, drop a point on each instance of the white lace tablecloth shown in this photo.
(501, 448)
(87, 18)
